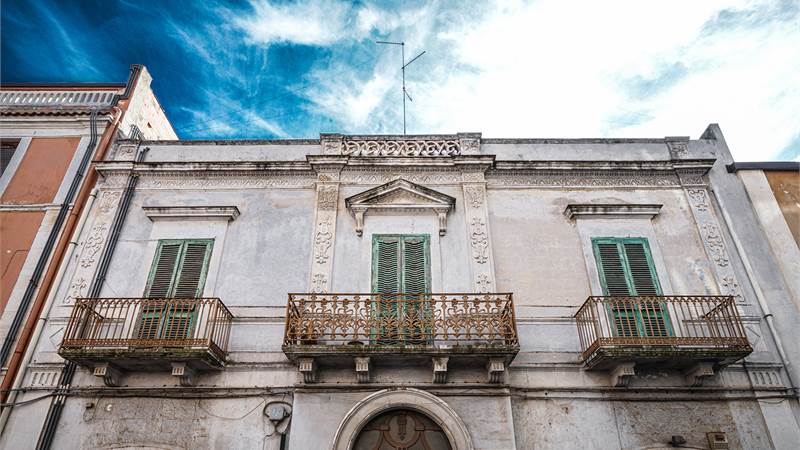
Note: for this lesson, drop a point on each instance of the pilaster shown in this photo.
(476, 213)
(326, 207)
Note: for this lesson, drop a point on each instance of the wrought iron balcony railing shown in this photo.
(661, 326)
(119, 328)
(377, 322)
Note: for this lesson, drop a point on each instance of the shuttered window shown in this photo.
(178, 271)
(401, 265)
(626, 269)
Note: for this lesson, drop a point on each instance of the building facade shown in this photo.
(419, 292)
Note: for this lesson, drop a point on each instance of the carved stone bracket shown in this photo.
(308, 368)
(362, 369)
(477, 216)
(696, 374)
(186, 375)
(440, 369)
(621, 375)
(111, 375)
(496, 368)
(678, 146)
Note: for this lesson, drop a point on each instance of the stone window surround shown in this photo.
(187, 222)
(603, 220)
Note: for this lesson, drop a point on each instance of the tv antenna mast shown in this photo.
(403, 66)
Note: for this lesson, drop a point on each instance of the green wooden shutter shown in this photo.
(400, 265)
(626, 269)
(178, 271)
(386, 277)
(652, 317)
(163, 270)
(416, 270)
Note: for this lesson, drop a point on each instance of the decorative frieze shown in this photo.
(212, 180)
(385, 175)
(582, 178)
(475, 196)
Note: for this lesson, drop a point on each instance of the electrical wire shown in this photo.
(25, 402)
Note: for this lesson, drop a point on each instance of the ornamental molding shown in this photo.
(212, 180)
(400, 196)
(415, 175)
(228, 213)
(678, 146)
(612, 211)
(582, 178)
(401, 146)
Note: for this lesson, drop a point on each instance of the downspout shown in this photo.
(762, 303)
(48, 431)
(42, 320)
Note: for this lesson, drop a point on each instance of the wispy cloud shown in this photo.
(304, 22)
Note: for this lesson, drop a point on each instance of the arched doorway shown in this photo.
(401, 429)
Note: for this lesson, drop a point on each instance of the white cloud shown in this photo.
(553, 68)
(304, 22)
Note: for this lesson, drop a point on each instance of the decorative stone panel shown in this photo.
(91, 248)
(476, 214)
(401, 146)
(324, 230)
(710, 231)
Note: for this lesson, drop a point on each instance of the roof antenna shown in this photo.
(403, 69)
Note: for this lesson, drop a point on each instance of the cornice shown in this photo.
(611, 211)
(228, 213)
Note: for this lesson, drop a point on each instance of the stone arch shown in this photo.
(404, 398)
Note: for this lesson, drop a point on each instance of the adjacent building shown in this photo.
(49, 136)
(416, 292)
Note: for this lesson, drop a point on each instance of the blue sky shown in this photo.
(547, 68)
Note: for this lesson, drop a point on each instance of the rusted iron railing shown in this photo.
(133, 323)
(401, 319)
(678, 321)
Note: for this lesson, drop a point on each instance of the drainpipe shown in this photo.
(66, 233)
(37, 334)
(762, 303)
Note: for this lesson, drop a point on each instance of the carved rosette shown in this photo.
(477, 217)
(710, 232)
(324, 233)
(92, 244)
(677, 149)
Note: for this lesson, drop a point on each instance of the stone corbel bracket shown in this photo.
(362, 369)
(308, 368)
(400, 196)
(186, 375)
(111, 375)
(698, 373)
(620, 376)
(440, 369)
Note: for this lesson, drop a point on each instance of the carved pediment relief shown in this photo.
(400, 195)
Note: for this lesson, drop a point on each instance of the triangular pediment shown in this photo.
(400, 193)
(400, 196)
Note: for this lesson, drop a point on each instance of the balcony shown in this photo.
(329, 329)
(113, 335)
(694, 333)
